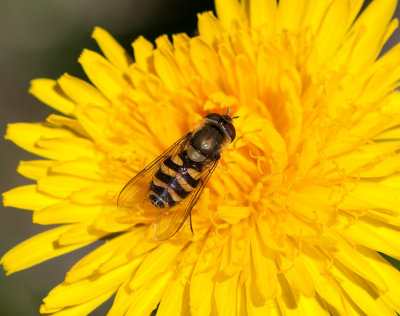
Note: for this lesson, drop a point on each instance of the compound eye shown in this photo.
(230, 129)
(213, 116)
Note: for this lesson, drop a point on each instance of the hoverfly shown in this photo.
(170, 186)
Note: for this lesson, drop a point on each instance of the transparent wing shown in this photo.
(169, 221)
(135, 194)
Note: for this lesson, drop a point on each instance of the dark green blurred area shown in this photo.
(43, 38)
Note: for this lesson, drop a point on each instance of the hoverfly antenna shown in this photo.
(229, 111)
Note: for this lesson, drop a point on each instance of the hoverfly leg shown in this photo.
(190, 222)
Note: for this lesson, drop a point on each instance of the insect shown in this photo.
(170, 186)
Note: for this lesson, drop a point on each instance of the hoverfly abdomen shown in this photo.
(174, 180)
(160, 196)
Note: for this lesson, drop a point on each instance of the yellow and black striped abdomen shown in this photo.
(174, 180)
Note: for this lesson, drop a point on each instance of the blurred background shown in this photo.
(44, 38)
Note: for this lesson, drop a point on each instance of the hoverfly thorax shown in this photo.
(207, 142)
(171, 185)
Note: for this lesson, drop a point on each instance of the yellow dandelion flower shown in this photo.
(307, 198)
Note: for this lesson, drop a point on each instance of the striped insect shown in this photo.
(170, 186)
